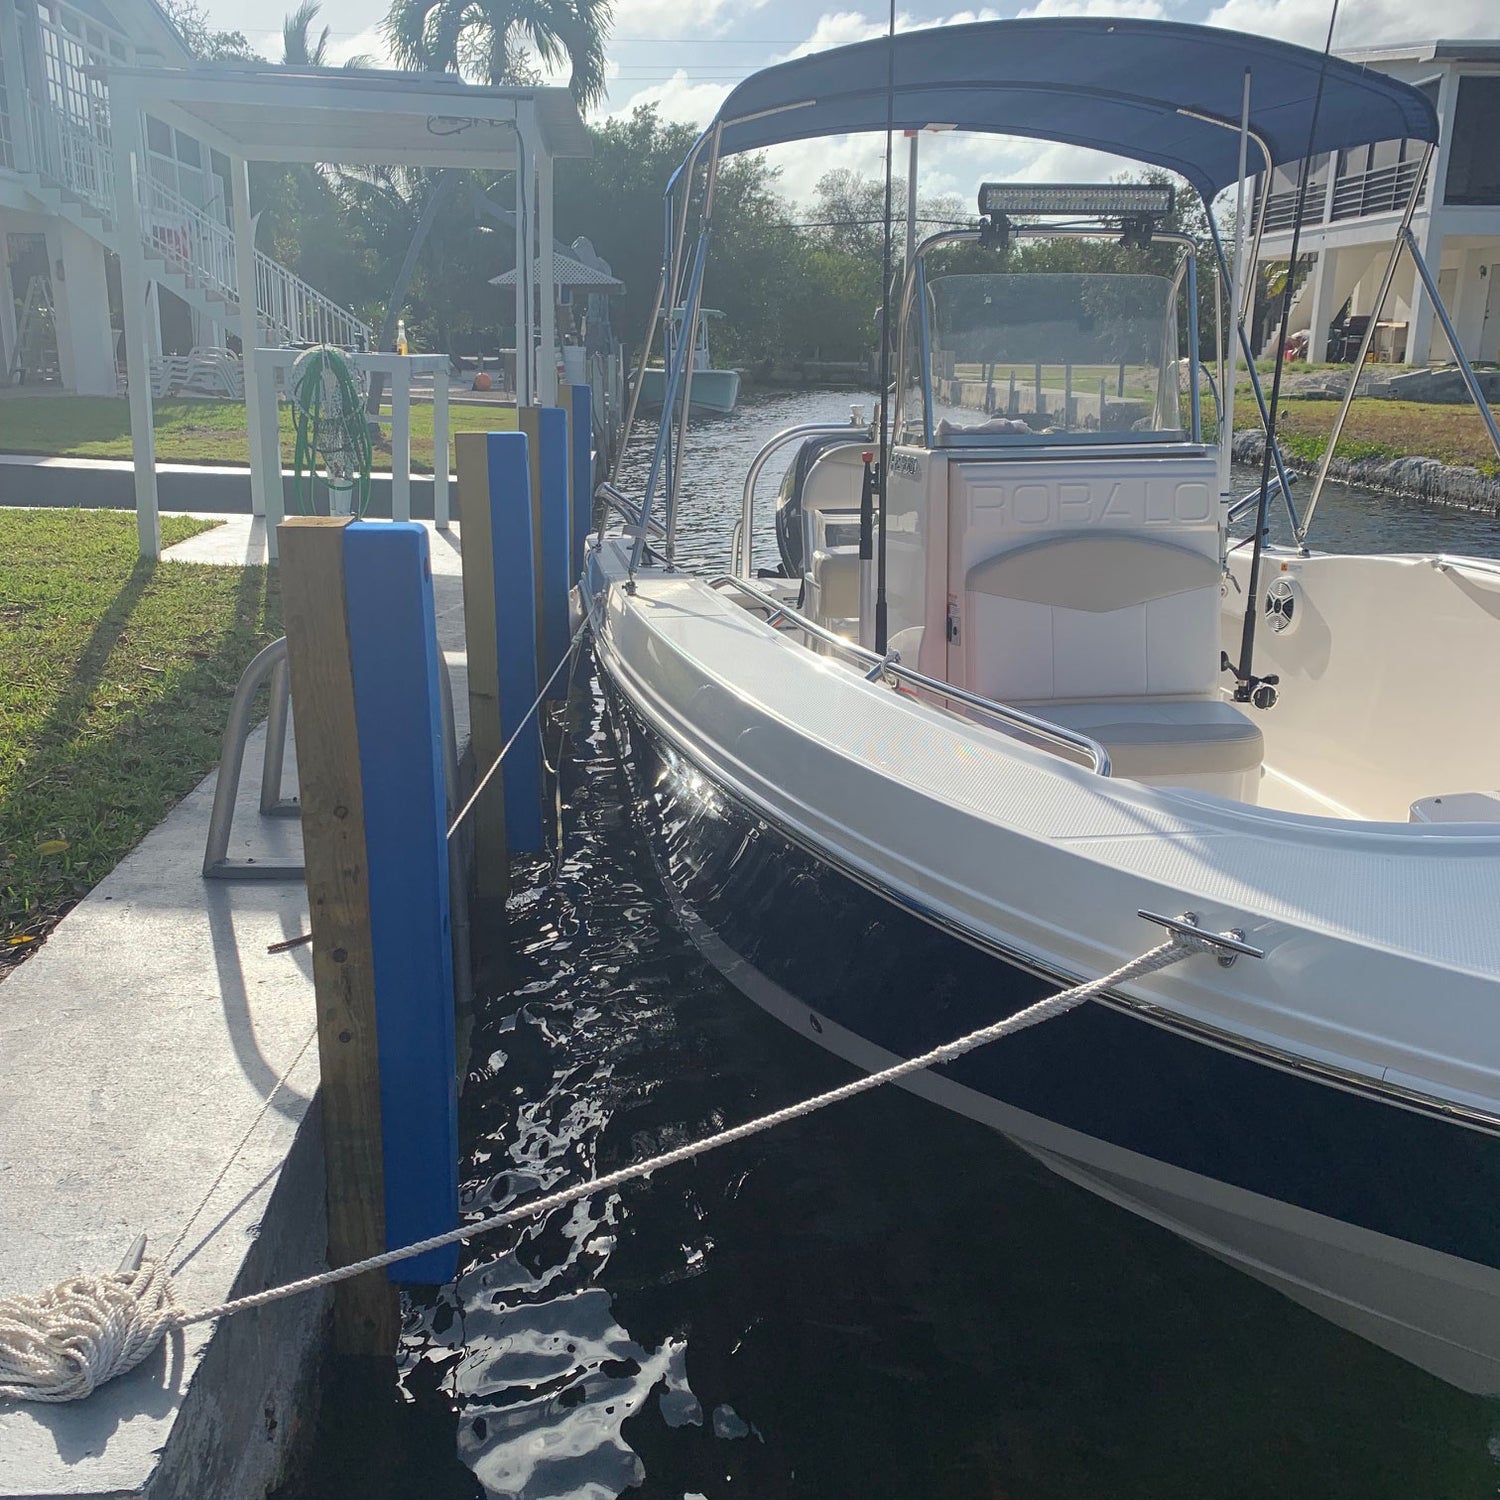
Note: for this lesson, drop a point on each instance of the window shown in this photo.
(1473, 164)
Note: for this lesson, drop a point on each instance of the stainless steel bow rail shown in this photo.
(888, 668)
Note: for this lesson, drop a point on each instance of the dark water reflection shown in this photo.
(885, 1301)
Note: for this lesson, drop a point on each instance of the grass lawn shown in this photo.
(204, 432)
(1389, 429)
(115, 680)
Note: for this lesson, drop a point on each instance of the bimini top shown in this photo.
(1121, 86)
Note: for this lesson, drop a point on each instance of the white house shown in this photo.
(1355, 205)
(58, 211)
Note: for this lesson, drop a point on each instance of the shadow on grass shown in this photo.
(78, 695)
(107, 793)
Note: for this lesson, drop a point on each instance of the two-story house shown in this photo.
(59, 275)
(1354, 208)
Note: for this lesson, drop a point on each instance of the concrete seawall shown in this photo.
(1413, 478)
(109, 484)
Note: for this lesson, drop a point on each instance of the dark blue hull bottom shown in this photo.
(855, 958)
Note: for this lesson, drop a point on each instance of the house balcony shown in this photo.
(1384, 190)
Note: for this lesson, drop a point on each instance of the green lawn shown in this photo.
(115, 681)
(1375, 429)
(204, 432)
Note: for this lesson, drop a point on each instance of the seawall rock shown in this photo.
(1415, 478)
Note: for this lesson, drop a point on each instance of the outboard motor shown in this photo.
(790, 532)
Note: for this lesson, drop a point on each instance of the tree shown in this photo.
(501, 41)
(205, 43)
(299, 50)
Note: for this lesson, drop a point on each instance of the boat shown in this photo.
(892, 809)
(714, 392)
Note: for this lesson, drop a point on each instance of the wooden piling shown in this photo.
(491, 853)
(546, 429)
(398, 708)
(366, 1319)
(580, 472)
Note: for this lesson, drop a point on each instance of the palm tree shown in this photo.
(299, 50)
(494, 41)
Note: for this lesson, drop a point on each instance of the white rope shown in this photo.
(541, 697)
(86, 1330)
(61, 1345)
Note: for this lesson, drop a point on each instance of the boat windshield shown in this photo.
(1030, 357)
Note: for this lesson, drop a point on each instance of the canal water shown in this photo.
(883, 1301)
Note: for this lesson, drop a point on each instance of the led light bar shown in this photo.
(1078, 200)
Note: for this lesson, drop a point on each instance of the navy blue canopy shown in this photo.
(1114, 85)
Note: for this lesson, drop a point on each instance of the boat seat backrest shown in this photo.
(1090, 615)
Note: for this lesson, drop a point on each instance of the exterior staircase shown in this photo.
(188, 251)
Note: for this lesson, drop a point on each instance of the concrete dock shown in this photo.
(160, 1068)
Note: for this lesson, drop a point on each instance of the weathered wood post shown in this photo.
(363, 659)
(581, 472)
(500, 623)
(547, 429)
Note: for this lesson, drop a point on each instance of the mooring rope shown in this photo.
(541, 697)
(65, 1343)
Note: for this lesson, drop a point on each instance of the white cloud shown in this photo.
(1149, 10)
(371, 42)
(670, 18)
(679, 101)
(1369, 23)
(840, 28)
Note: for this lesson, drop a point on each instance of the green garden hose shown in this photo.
(331, 427)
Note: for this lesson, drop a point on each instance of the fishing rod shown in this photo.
(1248, 688)
(881, 616)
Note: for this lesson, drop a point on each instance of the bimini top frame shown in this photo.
(1156, 91)
(1171, 95)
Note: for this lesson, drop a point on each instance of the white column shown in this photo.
(129, 155)
(270, 458)
(1419, 322)
(257, 411)
(525, 193)
(15, 88)
(1324, 279)
(546, 291)
(85, 341)
(1470, 294)
(401, 441)
(440, 512)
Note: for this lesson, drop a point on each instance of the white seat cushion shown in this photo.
(1156, 739)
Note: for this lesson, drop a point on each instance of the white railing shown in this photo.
(301, 313)
(74, 156)
(196, 245)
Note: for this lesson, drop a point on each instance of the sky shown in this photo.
(685, 55)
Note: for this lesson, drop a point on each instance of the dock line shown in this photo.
(62, 1344)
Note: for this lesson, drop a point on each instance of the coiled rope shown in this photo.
(65, 1343)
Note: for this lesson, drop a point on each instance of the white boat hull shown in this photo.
(1356, 1171)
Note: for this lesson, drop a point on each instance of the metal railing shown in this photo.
(742, 541)
(888, 668)
(1384, 190)
(617, 502)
